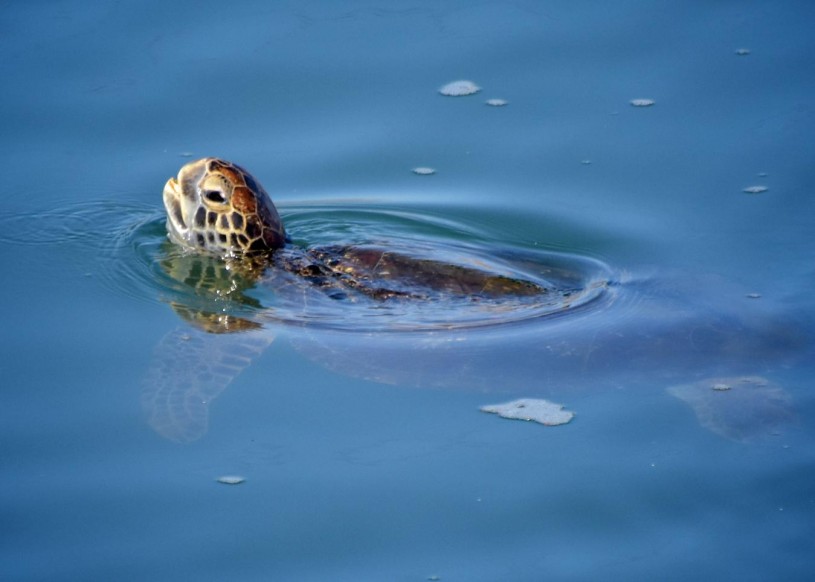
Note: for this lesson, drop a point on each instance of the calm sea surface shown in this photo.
(364, 453)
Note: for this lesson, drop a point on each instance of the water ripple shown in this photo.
(125, 248)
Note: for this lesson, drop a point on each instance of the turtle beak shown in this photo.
(171, 186)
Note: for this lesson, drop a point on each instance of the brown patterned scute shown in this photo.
(253, 227)
(216, 165)
(258, 245)
(273, 238)
(231, 172)
(244, 200)
(273, 233)
(233, 176)
(250, 182)
(255, 213)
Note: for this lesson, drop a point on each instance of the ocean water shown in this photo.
(363, 449)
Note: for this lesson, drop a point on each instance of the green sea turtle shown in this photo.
(217, 207)
(229, 240)
(232, 241)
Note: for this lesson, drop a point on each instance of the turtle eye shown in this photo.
(215, 196)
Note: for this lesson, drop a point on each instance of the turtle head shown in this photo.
(218, 207)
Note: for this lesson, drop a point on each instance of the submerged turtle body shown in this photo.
(217, 207)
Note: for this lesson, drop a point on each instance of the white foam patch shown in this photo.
(642, 102)
(460, 89)
(534, 409)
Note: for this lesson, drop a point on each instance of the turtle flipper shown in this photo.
(190, 368)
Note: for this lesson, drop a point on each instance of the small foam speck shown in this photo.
(755, 189)
(642, 102)
(231, 479)
(496, 102)
(460, 89)
(423, 171)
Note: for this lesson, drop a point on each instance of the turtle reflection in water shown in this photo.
(230, 239)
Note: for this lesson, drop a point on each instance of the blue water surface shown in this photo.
(365, 454)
